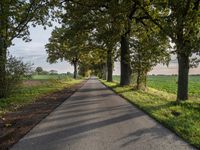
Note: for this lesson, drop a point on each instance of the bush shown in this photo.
(15, 71)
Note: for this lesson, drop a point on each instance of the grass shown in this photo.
(160, 103)
(48, 77)
(169, 84)
(26, 94)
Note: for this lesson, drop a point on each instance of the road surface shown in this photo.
(94, 118)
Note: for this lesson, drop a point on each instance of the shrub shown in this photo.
(15, 71)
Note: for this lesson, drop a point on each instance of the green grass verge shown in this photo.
(27, 94)
(182, 118)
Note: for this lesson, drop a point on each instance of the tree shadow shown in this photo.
(149, 135)
(75, 129)
(91, 90)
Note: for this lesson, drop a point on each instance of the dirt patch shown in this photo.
(31, 83)
(14, 125)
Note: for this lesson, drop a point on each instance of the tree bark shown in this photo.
(3, 55)
(125, 78)
(183, 72)
(145, 80)
(141, 79)
(138, 80)
(75, 69)
(2, 68)
(109, 66)
(104, 73)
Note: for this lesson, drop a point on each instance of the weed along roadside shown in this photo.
(16, 123)
(182, 118)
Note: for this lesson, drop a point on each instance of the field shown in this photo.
(49, 77)
(169, 84)
(159, 101)
(33, 88)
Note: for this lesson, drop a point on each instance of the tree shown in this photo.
(39, 70)
(130, 9)
(107, 43)
(178, 20)
(15, 20)
(53, 72)
(66, 44)
(94, 63)
(148, 49)
(92, 21)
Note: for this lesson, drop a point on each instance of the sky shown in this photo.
(34, 52)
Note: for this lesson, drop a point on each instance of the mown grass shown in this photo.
(26, 94)
(183, 118)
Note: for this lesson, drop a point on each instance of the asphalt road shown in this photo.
(94, 118)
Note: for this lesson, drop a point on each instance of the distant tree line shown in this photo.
(40, 71)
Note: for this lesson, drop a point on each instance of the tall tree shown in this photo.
(66, 44)
(180, 21)
(15, 19)
(106, 38)
(128, 15)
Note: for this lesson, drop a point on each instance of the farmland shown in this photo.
(169, 84)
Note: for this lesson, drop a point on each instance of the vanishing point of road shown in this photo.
(95, 118)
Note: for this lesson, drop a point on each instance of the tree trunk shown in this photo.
(104, 73)
(141, 80)
(2, 68)
(125, 78)
(183, 71)
(75, 70)
(138, 86)
(145, 80)
(109, 66)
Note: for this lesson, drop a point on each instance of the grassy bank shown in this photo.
(32, 89)
(182, 118)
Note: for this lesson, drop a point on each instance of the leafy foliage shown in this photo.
(15, 71)
(148, 49)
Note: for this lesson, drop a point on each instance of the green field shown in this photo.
(169, 84)
(48, 77)
(159, 101)
(34, 88)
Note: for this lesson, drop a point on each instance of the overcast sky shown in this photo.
(35, 53)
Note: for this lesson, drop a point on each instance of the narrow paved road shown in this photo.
(94, 118)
